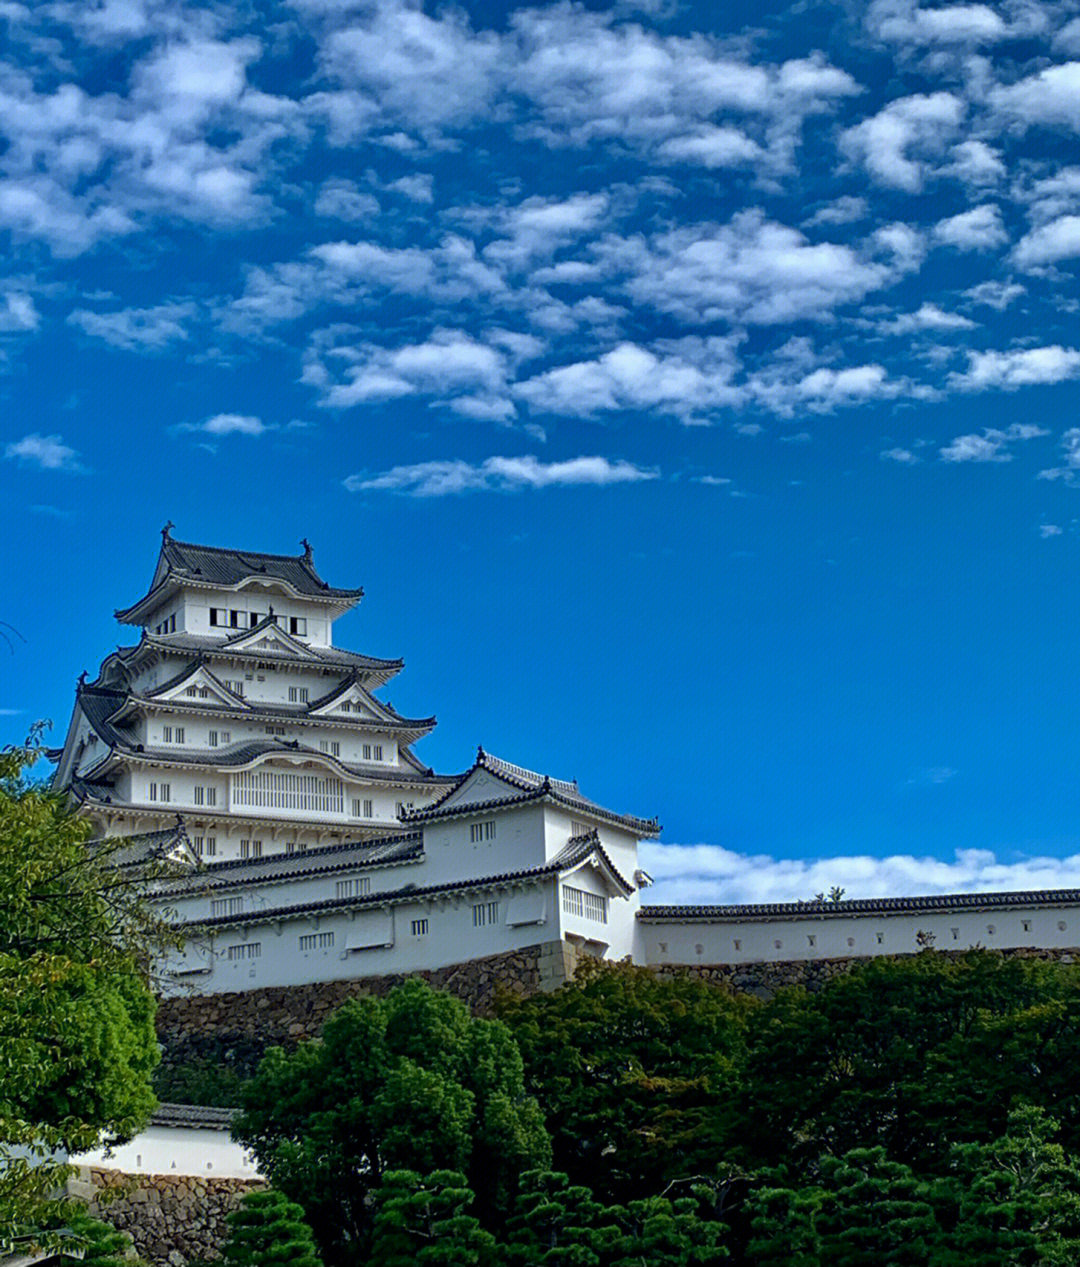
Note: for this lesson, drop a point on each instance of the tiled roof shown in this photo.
(212, 565)
(193, 1116)
(148, 846)
(534, 787)
(391, 851)
(219, 648)
(859, 906)
(568, 858)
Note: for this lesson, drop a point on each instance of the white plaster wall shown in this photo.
(734, 941)
(620, 845)
(618, 934)
(518, 844)
(451, 938)
(176, 1150)
(193, 611)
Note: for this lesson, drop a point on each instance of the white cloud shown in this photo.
(903, 22)
(228, 425)
(843, 210)
(704, 874)
(686, 377)
(904, 456)
(1020, 367)
(418, 188)
(899, 144)
(537, 227)
(928, 317)
(823, 389)
(975, 163)
(18, 313)
(979, 229)
(343, 200)
(995, 294)
(991, 446)
(499, 474)
(1069, 472)
(755, 271)
(50, 453)
(1058, 240)
(1051, 97)
(137, 329)
(1049, 530)
(711, 146)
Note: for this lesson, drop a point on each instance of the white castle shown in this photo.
(235, 736)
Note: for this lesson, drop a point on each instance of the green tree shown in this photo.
(268, 1230)
(635, 1074)
(96, 1244)
(658, 1232)
(77, 1043)
(782, 1217)
(875, 1211)
(556, 1224)
(411, 1081)
(1015, 1200)
(426, 1221)
(882, 1055)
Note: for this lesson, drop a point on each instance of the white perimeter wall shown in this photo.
(734, 941)
(176, 1150)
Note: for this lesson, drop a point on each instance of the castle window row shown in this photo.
(230, 618)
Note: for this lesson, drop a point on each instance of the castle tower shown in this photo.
(235, 710)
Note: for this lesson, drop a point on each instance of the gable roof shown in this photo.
(181, 562)
(527, 786)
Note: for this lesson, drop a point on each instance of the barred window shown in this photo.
(419, 927)
(358, 886)
(244, 950)
(270, 790)
(482, 831)
(583, 904)
(485, 913)
(251, 849)
(226, 906)
(316, 941)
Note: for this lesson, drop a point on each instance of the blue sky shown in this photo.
(693, 389)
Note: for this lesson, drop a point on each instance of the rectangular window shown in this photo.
(161, 791)
(226, 736)
(236, 686)
(298, 694)
(275, 730)
(179, 734)
(298, 625)
(335, 748)
(369, 809)
(578, 829)
(219, 617)
(357, 809)
(235, 619)
(166, 734)
(584, 905)
(213, 737)
(419, 927)
(376, 752)
(211, 796)
(251, 849)
(316, 941)
(200, 796)
(367, 752)
(359, 886)
(255, 618)
(226, 906)
(192, 691)
(296, 846)
(482, 831)
(245, 950)
(485, 913)
(209, 846)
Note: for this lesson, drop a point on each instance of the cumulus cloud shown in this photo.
(687, 378)
(900, 144)
(904, 456)
(991, 445)
(1020, 367)
(137, 329)
(979, 229)
(1052, 97)
(903, 22)
(344, 200)
(712, 874)
(995, 294)
(755, 271)
(1049, 530)
(18, 312)
(928, 317)
(498, 474)
(1069, 471)
(1058, 240)
(48, 453)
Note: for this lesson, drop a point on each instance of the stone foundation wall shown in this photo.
(173, 1219)
(235, 1029)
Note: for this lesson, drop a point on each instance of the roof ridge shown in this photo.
(247, 554)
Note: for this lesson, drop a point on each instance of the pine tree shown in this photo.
(425, 1221)
(876, 1211)
(268, 1230)
(656, 1232)
(555, 1223)
(100, 1245)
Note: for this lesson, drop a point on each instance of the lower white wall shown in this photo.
(732, 940)
(176, 1150)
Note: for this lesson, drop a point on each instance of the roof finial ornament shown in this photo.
(480, 754)
(307, 549)
(82, 678)
(167, 530)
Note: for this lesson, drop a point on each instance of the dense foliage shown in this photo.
(917, 1112)
(268, 1230)
(77, 1041)
(411, 1081)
